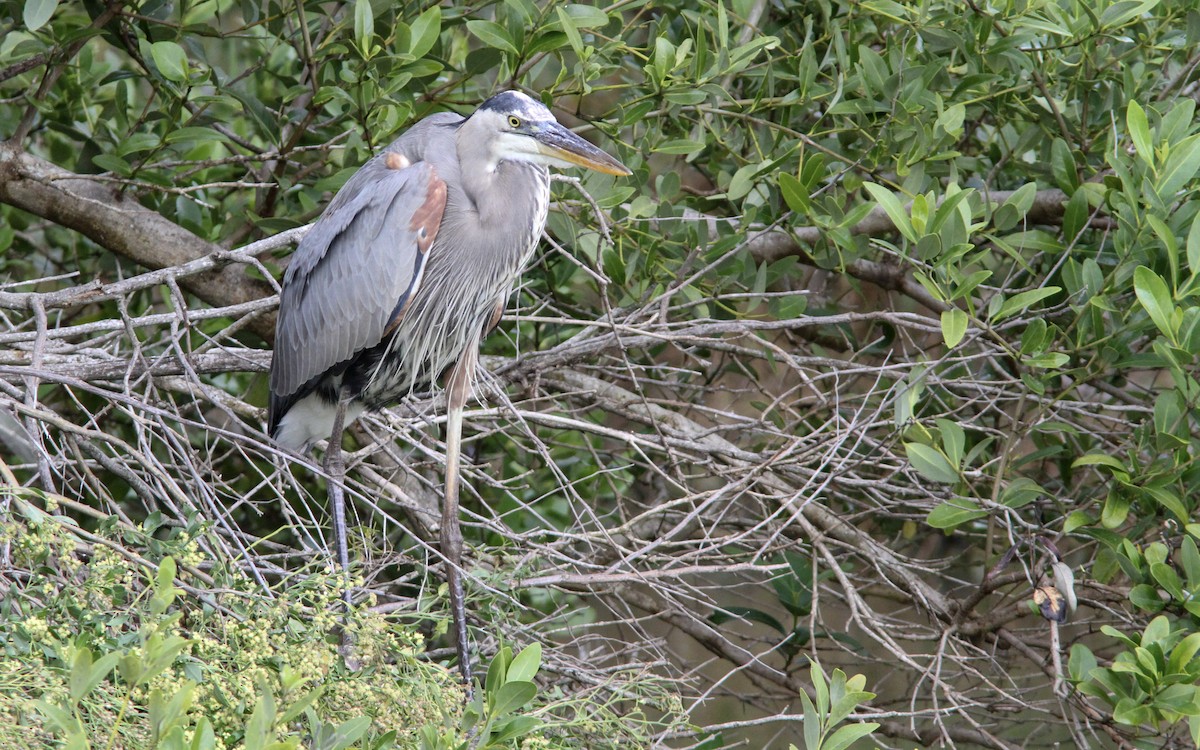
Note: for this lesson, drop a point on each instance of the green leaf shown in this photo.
(497, 671)
(259, 730)
(954, 440)
(1130, 712)
(725, 614)
(1099, 459)
(1183, 162)
(679, 146)
(525, 664)
(1077, 519)
(789, 307)
(364, 24)
(1120, 13)
(1047, 360)
(1115, 511)
(893, 208)
(950, 207)
(517, 726)
(493, 35)
(349, 732)
(1168, 500)
(1190, 559)
(1139, 132)
(1146, 598)
(1021, 492)
(846, 736)
(1015, 208)
(170, 60)
(571, 31)
(86, 675)
(954, 326)
(820, 688)
(1183, 654)
(204, 738)
(586, 16)
(1193, 246)
(1168, 579)
(296, 706)
(1081, 662)
(112, 163)
(38, 12)
(1152, 292)
(794, 193)
(1157, 630)
(930, 463)
(812, 723)
(511, 696)
(1062, 165)
(425, 31)
(954, 513)
(1019, 302)
(951, 120)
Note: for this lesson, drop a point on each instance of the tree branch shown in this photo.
(125, 227)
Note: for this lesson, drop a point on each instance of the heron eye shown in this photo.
(514, 121)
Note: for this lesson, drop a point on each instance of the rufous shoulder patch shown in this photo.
(428, 217)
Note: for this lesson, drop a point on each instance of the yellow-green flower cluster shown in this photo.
(190, 555)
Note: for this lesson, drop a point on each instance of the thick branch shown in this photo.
(123, 226)
(774, 244)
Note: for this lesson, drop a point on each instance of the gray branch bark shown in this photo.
(123, 226)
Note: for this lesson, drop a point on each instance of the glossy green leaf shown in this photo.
(586, 16)
(1146, 598)
(170, 60)
(1190, 559)
(1022, 301)
(364, 23)
(953, 513)
(424, 32)
(1099, 459)
(1123, 11)
(493, 35)
(893, 208)
(37, 12)
(679, 146)
(1139, 132)
(1152, 292)
(954, 326)
(930, 463)
(794, 193)
(725, 614)
(513, 695)
(1168, 499)
(1062, 164)
(847, 735)
(526, 664)
(1182, 164)
(1115, 510)
(954, 440)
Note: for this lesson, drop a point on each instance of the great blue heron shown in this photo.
(402, 276)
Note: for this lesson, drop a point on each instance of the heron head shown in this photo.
(519, 128)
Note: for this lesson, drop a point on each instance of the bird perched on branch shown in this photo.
(402, 276)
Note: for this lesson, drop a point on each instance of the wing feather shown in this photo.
(353, 273)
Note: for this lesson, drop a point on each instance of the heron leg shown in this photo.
(335, 467)
(457, 391)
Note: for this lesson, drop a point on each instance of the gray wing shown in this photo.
(355, 270)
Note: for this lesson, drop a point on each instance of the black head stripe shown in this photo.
(505, 101)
